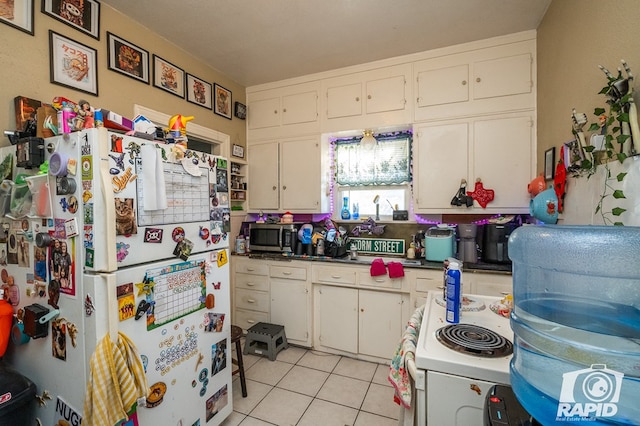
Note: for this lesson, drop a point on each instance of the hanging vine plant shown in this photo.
(619, 138)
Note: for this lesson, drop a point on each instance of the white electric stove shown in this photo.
(456, 383)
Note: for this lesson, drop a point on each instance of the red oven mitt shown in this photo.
(396, 270)
(378, 268)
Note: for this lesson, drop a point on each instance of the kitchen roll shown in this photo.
(155, 191)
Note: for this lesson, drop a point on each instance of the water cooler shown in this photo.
(576, 323)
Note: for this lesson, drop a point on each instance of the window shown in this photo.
(364, 173)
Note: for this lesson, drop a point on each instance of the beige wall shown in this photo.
(575, 37)
(24, 71)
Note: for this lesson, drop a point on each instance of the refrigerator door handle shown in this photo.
(106, 193)
(112, 305)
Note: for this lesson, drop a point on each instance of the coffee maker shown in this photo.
(467, 247)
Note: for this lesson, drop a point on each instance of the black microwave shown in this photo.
(276, 237)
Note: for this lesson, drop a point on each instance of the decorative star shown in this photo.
(481, 195)
(145, 287)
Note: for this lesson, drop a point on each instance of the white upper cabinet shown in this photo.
(481, 81)
(285, 111)
(371, 98)
(498, 150)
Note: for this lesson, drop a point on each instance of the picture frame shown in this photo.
(72, 64)
(83, 15)
(237, 151)
(126, 58)
(549, 163)
(20, 16)
(199, 92)
(240, 110)
(168, 77)
(222, 101)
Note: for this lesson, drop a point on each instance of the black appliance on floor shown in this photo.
(503, 409)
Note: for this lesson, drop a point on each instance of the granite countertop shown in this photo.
(366, 260)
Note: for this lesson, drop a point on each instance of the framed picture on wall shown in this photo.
(127, 58)
(83, 15)
(222, 101)
(18, 14)
(549, 163)
(168, 77)
(72, 64)
(198, 91)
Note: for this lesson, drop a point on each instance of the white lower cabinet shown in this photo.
(291, 307)
(455, 400)
(361, 322)
(489, 284)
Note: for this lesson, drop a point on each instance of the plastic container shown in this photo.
(454, 294)
(18, 393)
(344, 213)
(576, 323)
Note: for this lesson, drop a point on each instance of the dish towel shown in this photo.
(116, 381)
(398, 372)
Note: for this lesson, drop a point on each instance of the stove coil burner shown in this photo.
(474, 340)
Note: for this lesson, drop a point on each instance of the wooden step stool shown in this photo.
(265, 339)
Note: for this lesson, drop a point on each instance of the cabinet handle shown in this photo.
(249, 269)
(250, 321)
(274, 187)
(250, 284)
(357, 98)
(361, 309)
(368, 96)
(335, 277)
(478, 80)
(286, 273)
(275, 111)
(284, 110)
(251, 301)
(284, 186)
(464, 82)
(379, 280)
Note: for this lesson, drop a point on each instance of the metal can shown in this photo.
(240, 245)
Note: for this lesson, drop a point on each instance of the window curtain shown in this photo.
(387, 163)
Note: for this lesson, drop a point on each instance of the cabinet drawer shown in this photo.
(246, 319)
(428, 284)
(288, 272)
(252, 282)
(332, 275)
(252, 267)
(383, 281)
(252, 300)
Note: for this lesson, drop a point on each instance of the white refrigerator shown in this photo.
(123, 235)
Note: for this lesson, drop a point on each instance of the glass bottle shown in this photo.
(356, 211)
(344, 214)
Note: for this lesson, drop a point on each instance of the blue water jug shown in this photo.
(576, 323)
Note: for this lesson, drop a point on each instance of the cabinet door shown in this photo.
(263, 172)
(300, 108)
(462, 404)
(386, 94)
(336, 320)
(264, 113)
(291, 307)
(344, 100)
(441, 161)
(497, 285)
(443, 85)
(502, 77)
(502, 158)
(380, 323)
(300, 174)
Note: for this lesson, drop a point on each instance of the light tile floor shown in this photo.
(303, 387)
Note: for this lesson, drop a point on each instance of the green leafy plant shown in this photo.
(614, 126)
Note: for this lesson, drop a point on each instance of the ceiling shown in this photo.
(260, 41)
